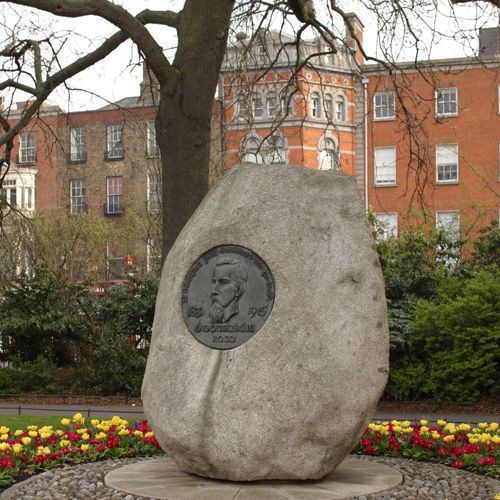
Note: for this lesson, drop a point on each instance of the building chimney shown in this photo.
(357, 26)
(489, 41)
(149, 88)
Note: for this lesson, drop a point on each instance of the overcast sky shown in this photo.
(119, 76)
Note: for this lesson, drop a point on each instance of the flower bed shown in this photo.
(459, 445)
(34, 449)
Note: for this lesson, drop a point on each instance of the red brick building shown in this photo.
(422, 144)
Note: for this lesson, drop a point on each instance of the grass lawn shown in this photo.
(22, 421)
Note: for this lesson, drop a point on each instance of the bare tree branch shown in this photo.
(115, 14)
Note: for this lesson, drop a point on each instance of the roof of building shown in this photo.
(128, 102)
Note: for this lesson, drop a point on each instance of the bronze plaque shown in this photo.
(227, 296)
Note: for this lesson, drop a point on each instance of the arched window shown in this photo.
(315, 105)
(250, 151)
(257, 108)
(275, 149)
(340, 103)
(242, 109)
(272, 104)
(329, 156)
(286, 102)
(328, 106)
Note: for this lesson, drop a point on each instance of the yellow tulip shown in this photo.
(493, 426)
(33, 434)
(84, 447)
(95, 422)
(435, 435)
(85, 436)
(4, 430)
(17, 448)
(123, 432)
(32, 427)
(59, 432)
(406, 423)
(485, 438)
(4, 437)
(138, 434)
(473, 440)
(149, 434)
(4, 446)
(116, 420)
(100, 436)
(397, 428)
(64, 443)
(26, 440)
(424, 429)
(78, 418)
(65, 421)
(441, 422)
(464, 427)
(448, 438)
(423, 422)
(496, 439)
(407, 430)
(18, 432)
(482, 425)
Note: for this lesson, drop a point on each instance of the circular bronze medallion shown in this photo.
(227, 296)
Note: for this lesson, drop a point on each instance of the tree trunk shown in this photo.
(185, 110)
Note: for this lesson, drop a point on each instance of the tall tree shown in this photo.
(187, 85)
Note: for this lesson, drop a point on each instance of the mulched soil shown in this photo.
(485, 407)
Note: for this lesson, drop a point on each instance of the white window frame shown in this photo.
(389, 181)
(387, 223)
(442, 166)
(152, 149)
(27, 148)
(114, 141)
(275, 149)
(315, 105)
(446, 223)
(114, 200)
(251, 150)
(153, 192)
(442, 102)
(257, 106)
(286, 104)
(76, 196)
(328, 156)
(329, 106)
(9, 193)
(340, 107)
(383, 108)
(272, 104)
(77, 152)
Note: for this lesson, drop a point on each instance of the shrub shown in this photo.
(454, 349)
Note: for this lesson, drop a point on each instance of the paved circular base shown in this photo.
(160, 478)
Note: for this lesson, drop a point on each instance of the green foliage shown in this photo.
(39, 376)
(123, 318)
(114, 367)
(454, 349)
(43, 315)
(487, 247)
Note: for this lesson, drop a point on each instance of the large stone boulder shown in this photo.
(289, 401)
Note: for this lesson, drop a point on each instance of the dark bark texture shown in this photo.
(185, 110)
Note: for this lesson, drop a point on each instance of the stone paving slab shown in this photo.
(160, 478)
